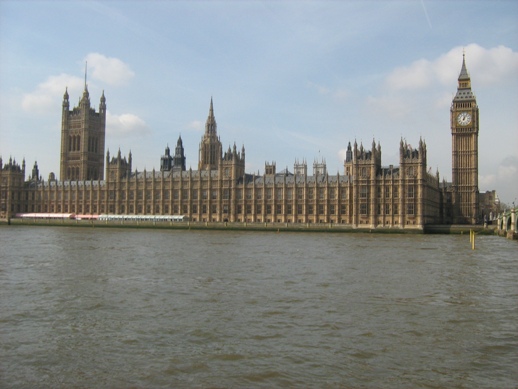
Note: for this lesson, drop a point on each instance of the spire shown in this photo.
(86, 95)
(210, 125)
(464, 91)
(463, 71)
(86, 71)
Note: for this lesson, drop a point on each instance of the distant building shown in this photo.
(366, 195)
(83, 133)
(464, 131)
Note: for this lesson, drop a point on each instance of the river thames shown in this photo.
(122, 308)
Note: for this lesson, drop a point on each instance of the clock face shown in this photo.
(464, 118)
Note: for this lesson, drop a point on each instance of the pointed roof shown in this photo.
(464, 75)
(210, 125)
(464, 91)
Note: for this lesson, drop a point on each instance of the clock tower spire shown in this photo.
(464, 130)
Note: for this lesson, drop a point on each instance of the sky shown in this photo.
(290, 80)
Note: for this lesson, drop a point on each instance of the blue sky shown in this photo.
(290, 79)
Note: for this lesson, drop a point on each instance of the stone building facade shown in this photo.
(83, 133)
(366, 195)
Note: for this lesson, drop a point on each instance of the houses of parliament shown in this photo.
(366, 195)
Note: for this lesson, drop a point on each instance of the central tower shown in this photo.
(464, 131)
(82, 139)
(210, 145)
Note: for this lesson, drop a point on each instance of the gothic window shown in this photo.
(249, 194)
(332, 193)
(279, 209)
(185, 208)
(332, 209)
(185, 194)
(310, 209)
(175, 194)
(226, 194)
(259, 209)
(300, 193)
(299, 209)
(239, 209)
(310, 193)
(410, 192)
(214, 195)
(321, 193)
(195, 194)
(343, 209)
(363, 209)
(279, 194)
(268, 209)
(239, 194)
(363, 191)
(387, 209)
(396, 193)
(289, 194)
(289, 209)
(259, 194)
(269, 193)
(248, 209)
(321, 209)
(410, 209)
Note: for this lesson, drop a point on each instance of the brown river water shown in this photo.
(128, 308)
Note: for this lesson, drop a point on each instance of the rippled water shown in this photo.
(144, 308)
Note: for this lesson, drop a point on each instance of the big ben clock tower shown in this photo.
(464, 132)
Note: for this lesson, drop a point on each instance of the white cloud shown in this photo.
(418, 75)
(125, 124)
(48, 94)
(110, 70)
(336, 93)
(342, 153)
(394, 106)
(491, 66)
(505, 178)
(195, 125)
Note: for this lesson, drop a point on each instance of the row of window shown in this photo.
(158, 195)
(248, 209)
